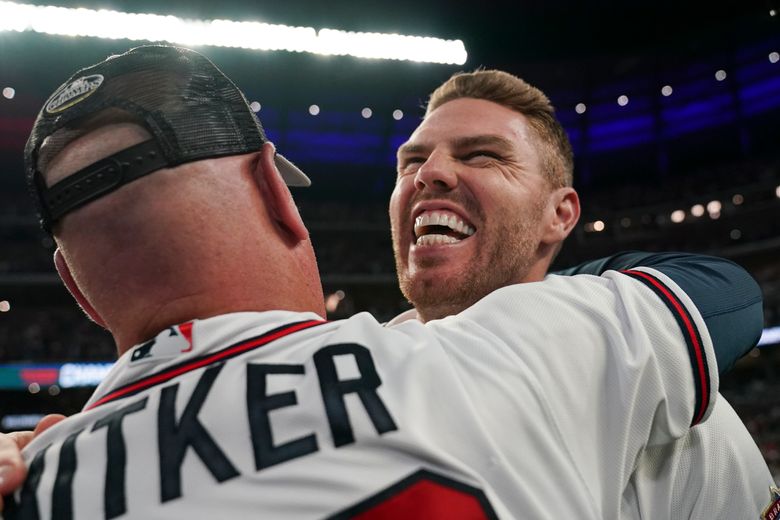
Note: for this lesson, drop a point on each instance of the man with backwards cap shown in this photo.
(232, 397)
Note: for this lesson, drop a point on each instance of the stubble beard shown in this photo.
(507, 259)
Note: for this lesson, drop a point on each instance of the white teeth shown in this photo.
(453, 222)
(442, 218)
(432, 240)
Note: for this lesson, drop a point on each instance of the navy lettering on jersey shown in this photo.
(62, 496)
(333, 391)
(27, 509)
(176, 437)
(259, 403)
(115, 503)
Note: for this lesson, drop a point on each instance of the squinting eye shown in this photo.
(411, 164)
(477, 154)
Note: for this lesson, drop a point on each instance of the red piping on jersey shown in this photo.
(167, 375)
(697, 347)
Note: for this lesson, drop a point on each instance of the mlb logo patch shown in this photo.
(772, 511)
(169, 343)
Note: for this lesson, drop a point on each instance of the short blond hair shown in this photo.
(514, 93)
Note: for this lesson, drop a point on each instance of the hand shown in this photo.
(12, 468)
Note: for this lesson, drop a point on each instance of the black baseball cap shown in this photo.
(192, 110)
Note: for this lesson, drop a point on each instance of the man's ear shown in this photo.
(67, 278)
(277, 196)
(566, 206)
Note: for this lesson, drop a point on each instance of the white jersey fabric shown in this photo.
(534, 403)
(716, 471)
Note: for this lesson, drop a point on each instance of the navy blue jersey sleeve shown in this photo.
(728, 298)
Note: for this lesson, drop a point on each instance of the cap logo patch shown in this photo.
(74, 92)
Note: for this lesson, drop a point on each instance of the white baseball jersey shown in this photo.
(534, 403)
(715, 472)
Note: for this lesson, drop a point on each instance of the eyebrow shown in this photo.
(459, 143)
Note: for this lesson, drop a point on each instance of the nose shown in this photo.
(436, 173)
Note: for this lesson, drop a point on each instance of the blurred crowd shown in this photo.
(752, 390)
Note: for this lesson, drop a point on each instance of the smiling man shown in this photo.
(484, 199)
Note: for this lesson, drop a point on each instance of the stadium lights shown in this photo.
(333, 300)
(596, 226)
(714, 206)
(677, 216)
(769, 336)
(9, 93)
(5, 306)
(226, 33)
(398, 114)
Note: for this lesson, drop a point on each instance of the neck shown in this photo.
(254, 287)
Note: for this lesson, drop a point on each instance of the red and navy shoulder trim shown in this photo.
(701, 372)
(201, 361)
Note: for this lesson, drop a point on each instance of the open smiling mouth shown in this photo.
(440, 227)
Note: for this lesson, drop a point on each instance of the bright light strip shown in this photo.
(769, 336)
(225, 33)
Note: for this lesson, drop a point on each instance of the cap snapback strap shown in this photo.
(98, 179)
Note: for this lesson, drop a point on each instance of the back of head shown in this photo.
(512, 92)
(190, 108)
(154, 176)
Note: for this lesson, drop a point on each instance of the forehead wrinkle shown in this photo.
(482, 140)
(459, 143)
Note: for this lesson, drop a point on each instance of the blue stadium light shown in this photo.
(26, 421)
(770, 336)
(104, 23)
(620, 133)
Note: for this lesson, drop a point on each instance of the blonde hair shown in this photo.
(514, 93)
